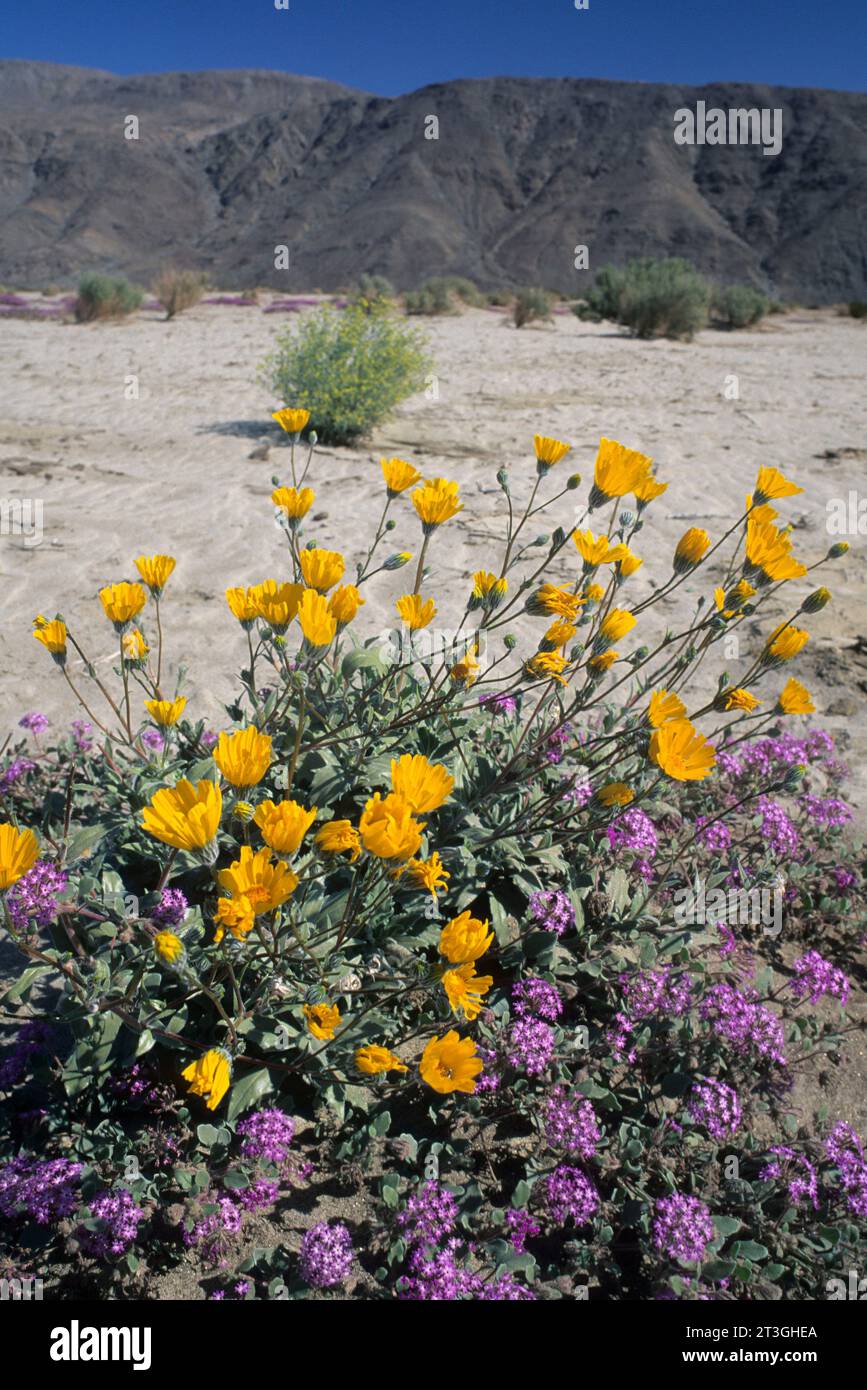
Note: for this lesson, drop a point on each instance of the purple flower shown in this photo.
(521, 1227)
(844, 878)
(81, 730)
(844, 1148)
(34, 721)
(801, 1177)
(569, 1193)
(33, 1039)
(828, 812)
(634, 830)
(570, 1124)
(817, 976)
(42, 1189)
(715, 836)
(32, 901)
(657, 992)
(739, 1019)
(152, 738)
(552, 911)
(171, 908)
(682, 1228)
(531, 1045)
(777, 831)
(209, 738)
(436, 1276)
(429, 1215)
(326, 1255)
(537, 998)
(716, 1106)
(499, 704)
(17, 768)
(267, 1134)
(118, 1217)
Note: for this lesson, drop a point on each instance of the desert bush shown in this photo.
(349, 369)
(106, 297)
(431, 884)
(532, 305)
(857, 309)
(501, 298)
(652, 298)
(178, 290)
(372, 290)
(740, 306)
(431, 298)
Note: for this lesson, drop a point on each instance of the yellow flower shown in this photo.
(399, 475)
(415, 611)
(795, 698)
(691, 549)
(322, 569)
(424, 786)
(557, 636)
(465, 672)
(243, 605)
(374, 1061)
(464, 939)
(165, 712)
(597, 665)
(236, 916)
(665, 707)
(388, 829)
(784, 643)
(185, 816)
(729, 603)
(557, 601)
(292, 421)
(451, 1063)
(737, 698)
(168, 947)
(771, 486)
(547, 666)
(629, 564)
(155, 571)
(339, 837)
(598, 550)
(428, 874)
(122, 602)
(593, 592)
(276, 603)
(19, 850)
(284, 825)
(53, 638)
(618, 471)
(489, 590)
(244, 756)
(254, 876)
(615, 794)
(549, 451)
(135, 648)
(647, 489)
(616, 625)
(210, 1076)
(682, 752)
(322, 1019)
(344, 604)
(769, 551)
(318, 623)
(435, 502)
(760, 513)
(466, 990)
(293, 502)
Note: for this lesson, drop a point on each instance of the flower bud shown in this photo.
(510, 642)
(816, 601)
(838, 549)
(573, 481)
(396, 562)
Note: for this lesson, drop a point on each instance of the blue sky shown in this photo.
(393, 46)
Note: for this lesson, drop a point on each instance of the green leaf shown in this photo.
(244, 1093)
(748, 1250)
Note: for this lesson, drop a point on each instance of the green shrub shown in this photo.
(532, 304)
(349, 369)
(178, 289)
(433, 297)
(857, 309)
(104, 297)
(371, 290)
(653, 299)
(502, 297)
(740, 306)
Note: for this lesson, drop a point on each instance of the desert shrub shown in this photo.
(652, 298)
(495, 876)
(501, 298)
(177, 289)
(431, 298)
(349, 369)
(532, 305)
(372, 290)
(857, 309)
(740, 306)
(106, 297)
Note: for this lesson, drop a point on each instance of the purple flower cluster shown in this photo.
(211, 1230)
(826, 811)
(81, 731)
(438, 1277)
(569, 1192)
(844, 878)
(32, 901)
(552, 911)
(777, 831)
(429, 1215)
(634, 830)
(570, 1124)
(580, 793)
(800, 1176)
(657, 992)
(326, 1255)
(34, 721)
(739, 1019)
(536, 998)
(17, 768)
(499, 704)
(33, 1039)
(618, 1037)
(41, 1189)
(844, 1148)
(171, 908)
(531, 1045)
(267, 1134)
(118, 1216)
(152, 738)
(817, 976)
(716, 1106)
(682, 1228)
(521, 1227)
(714, 835)
(557, 744)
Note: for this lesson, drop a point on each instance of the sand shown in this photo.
(180, 469)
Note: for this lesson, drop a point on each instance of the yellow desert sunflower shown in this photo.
(292, 421)
(682, 752)
(339, 837)
(466, 671)
(602, 662)
(771, 486)
(465, 938)
(210, 1075)
(293, 502)
(429, 874)
(597, 550)
(53, 638)
(556, 601)
(738, 699)
(168, 948)
(424, 786)
(244, 756)
(398, 475)
(784, 643)
(375, 1061)
(489, 590)
(548, 451)
(344, 603)
(283, 825)
(615, 625)
(235, 916)
(646, 490)
(618, 471)
(122, 602)
(558, 635)
(166, 712)
(691, 549)
(275, 603)
(664, 707)
(435, 502)
(134, 646)
(615, 794)
(415, 611)
(317, 622)
(19, 850)
(547, 666)
(451, 1063)
(388, 828)
(243, 606)
(322, 569)
(629, 564)
(185, 816)
(258, 878)
(795, 698)
(322, 1020)
(465, 990)
(155, 571)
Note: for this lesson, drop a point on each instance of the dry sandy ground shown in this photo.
(173, 471)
